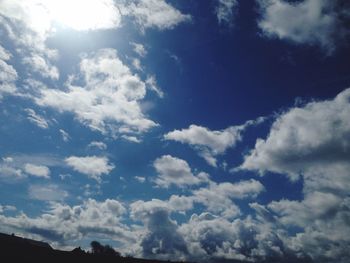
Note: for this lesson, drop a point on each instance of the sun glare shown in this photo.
(83, 14)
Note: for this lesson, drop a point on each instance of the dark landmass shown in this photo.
(18, 249)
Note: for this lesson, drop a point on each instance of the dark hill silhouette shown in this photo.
(18, 249)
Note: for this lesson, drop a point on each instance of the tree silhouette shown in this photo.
(106, 250)
(96, 247)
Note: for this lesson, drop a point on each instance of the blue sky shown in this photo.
(184, 130)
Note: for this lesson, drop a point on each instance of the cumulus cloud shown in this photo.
(155, 14)
(13, 169)
(218, 198)
(321, 218)
(226, 10)
(217, 238)
(62, 223)
(109, 101)
(311, 142)
(162, 239)
(210, 143)
(28, 26)
(315, 22)
(92, 166)
(175, 171)
(37, 170)
(42, 65)
(38, 120)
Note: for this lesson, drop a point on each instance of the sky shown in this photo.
(209, 131)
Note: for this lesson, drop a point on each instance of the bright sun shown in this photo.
(82, 14)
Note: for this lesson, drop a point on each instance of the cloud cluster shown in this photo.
(314, 22)
(8, 75)
(14, 169)
(109, 101)
(175, 171)
(63, 222)
(161, 239)
(311, 142)
(210, 143)
(30, 24)
(217, 198)
(154, 14)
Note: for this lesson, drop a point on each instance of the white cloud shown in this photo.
(136, 63)
(175, 171)
(217, 197)
(15, 168)
(211, 237)
(92, 166)
(140, 179)
(315, 22)
(152, 85)
(98, 145)
(225, 11)
(210, 143)
(37, 170)
(10, 173)
(312, 140)
(131, 138)
(37, 119)
(50, 192)
(110, 99)
(155, 14)
(139, 49)
(181, 203)
(40, 64)
(29, 24)
(8, 75)
(65, 136)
